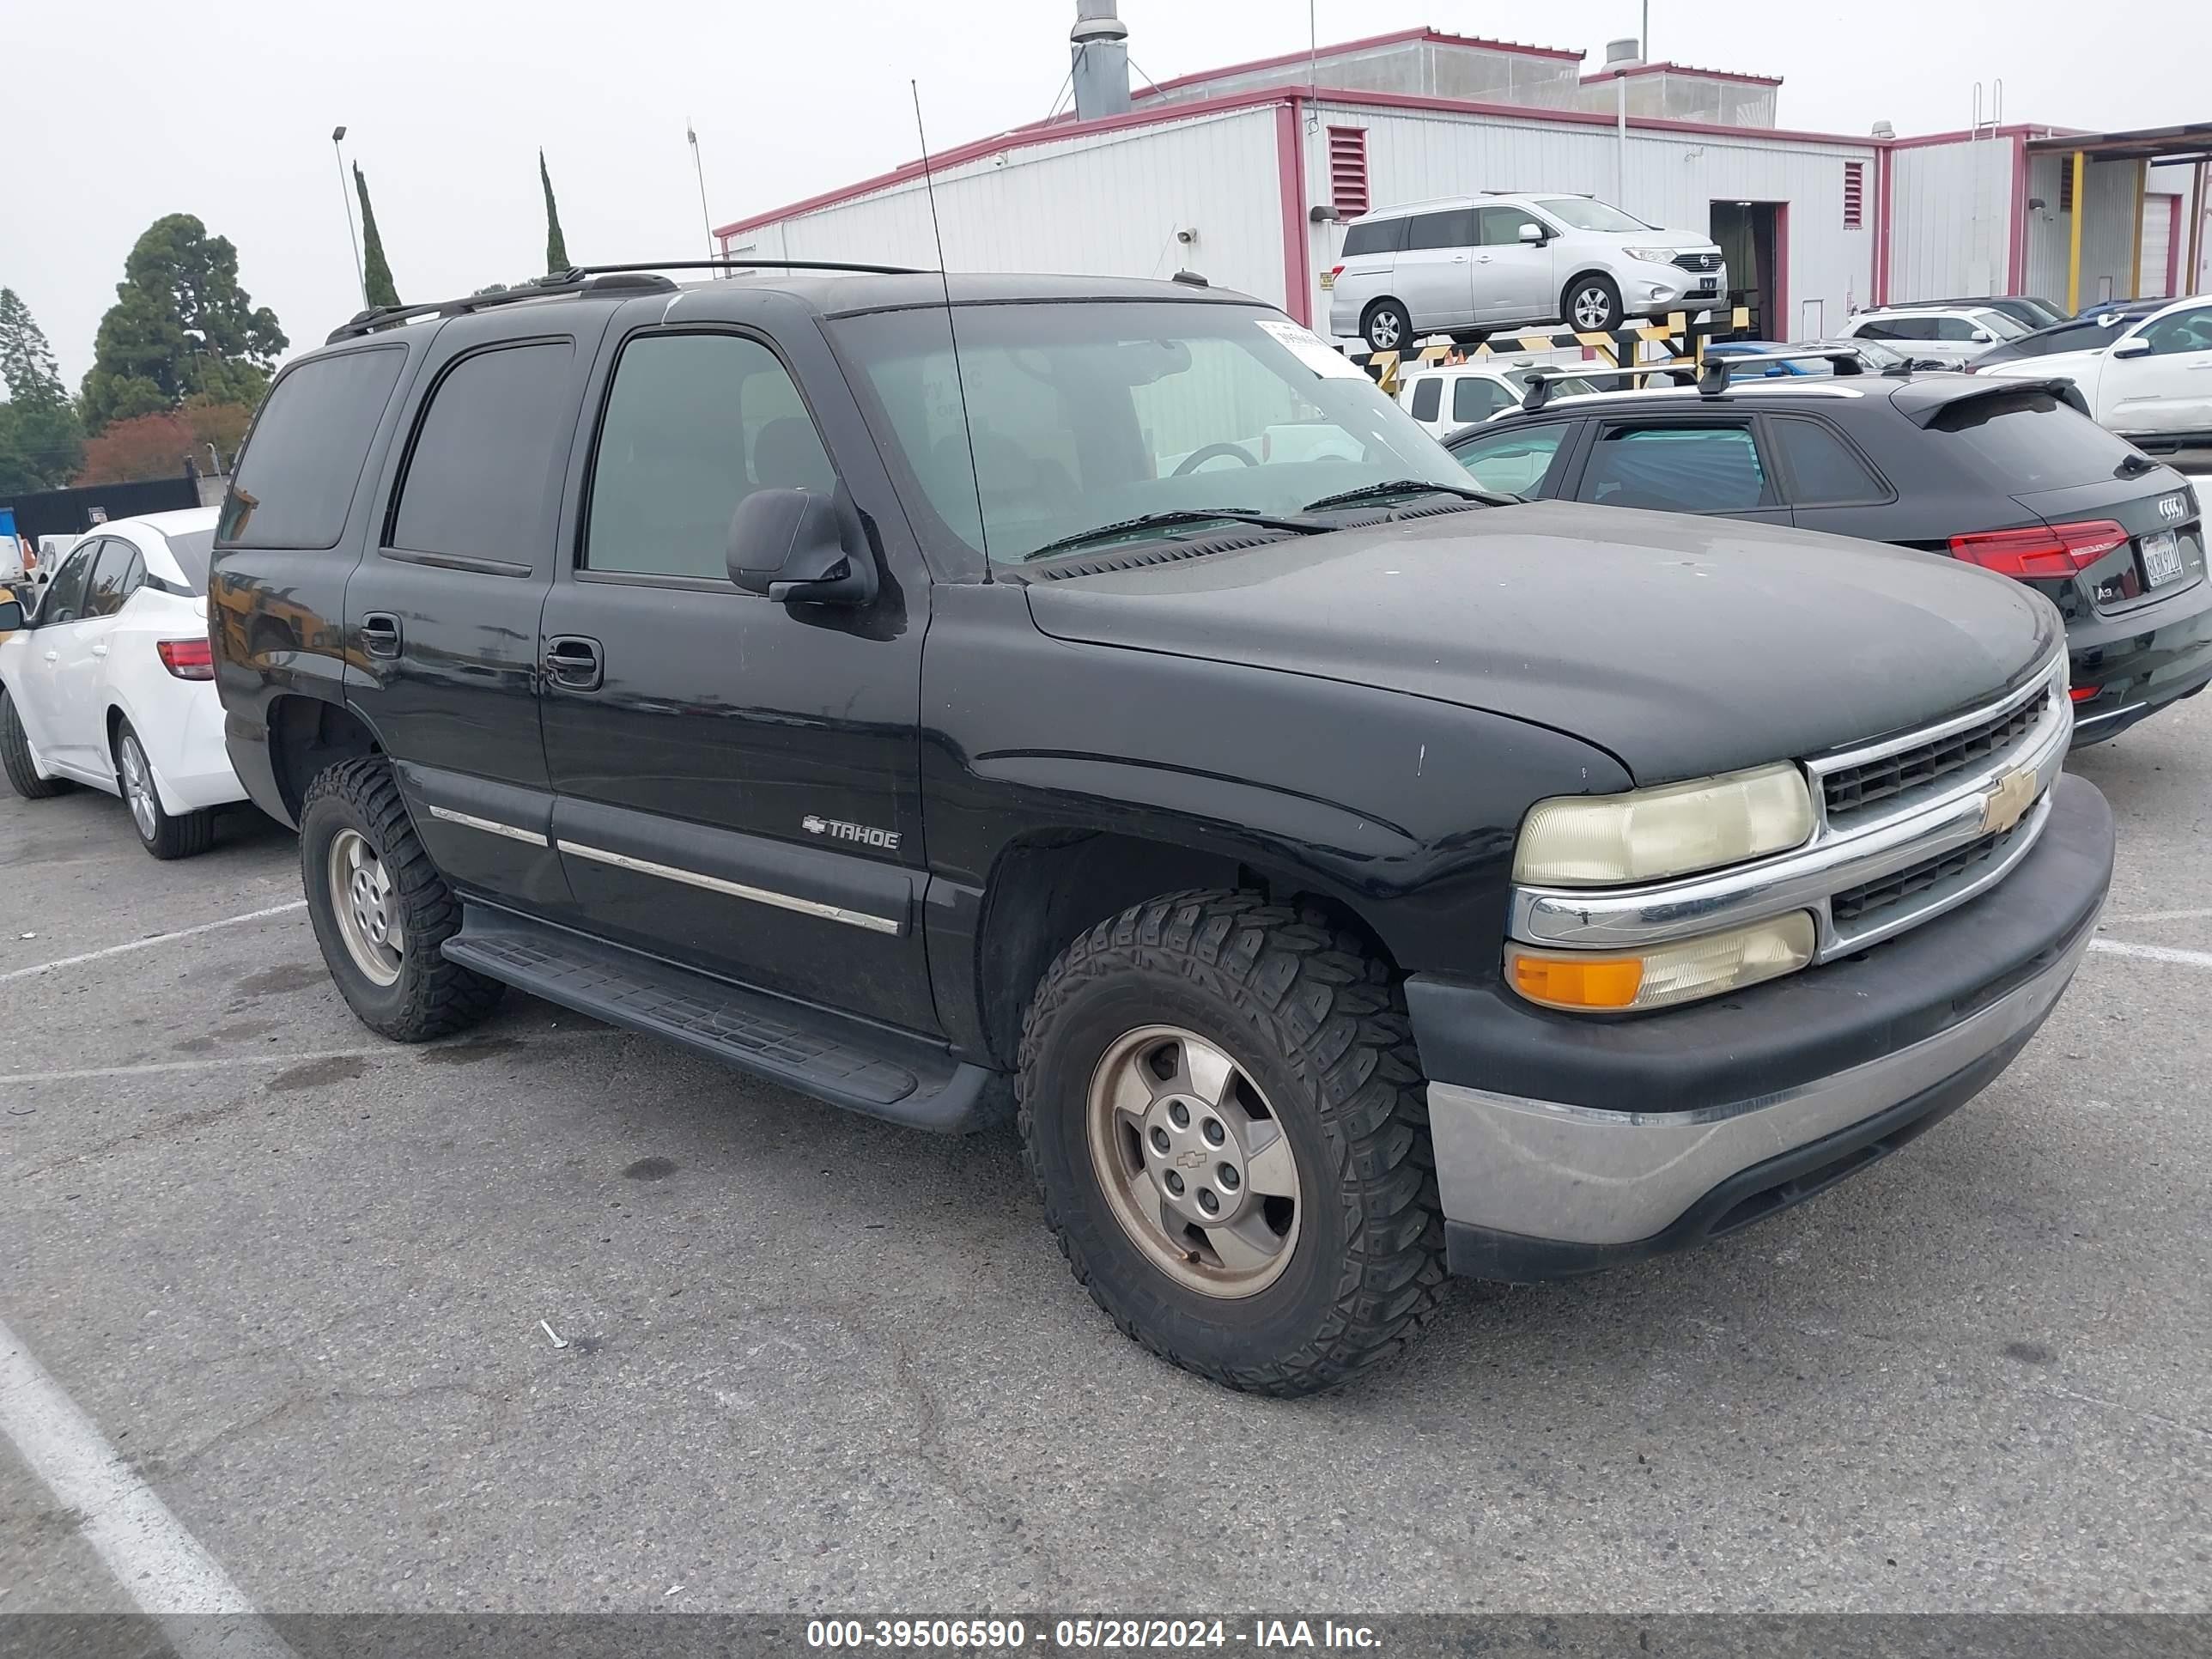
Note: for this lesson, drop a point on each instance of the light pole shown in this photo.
(345, 193)
(706, 219)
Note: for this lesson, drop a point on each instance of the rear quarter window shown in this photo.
(488, 456)
(1374, 236)
(2027, 440)
(295, 482)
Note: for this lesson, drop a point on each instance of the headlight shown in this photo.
(1600, 840)
(1657, 256)
(1588, 982)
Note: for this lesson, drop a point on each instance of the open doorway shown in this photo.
(1750, 238)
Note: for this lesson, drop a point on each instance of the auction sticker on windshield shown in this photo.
(1312, 351)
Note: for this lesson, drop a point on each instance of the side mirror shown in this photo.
(1532, 233)
(11, 616)
(797, 547)
(2138, 347)
(1982, 337)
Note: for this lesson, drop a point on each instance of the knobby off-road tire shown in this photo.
(164, 834)
(354, 807)
(1319, 1035)
(15, 756)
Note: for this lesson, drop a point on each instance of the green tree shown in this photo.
(376, 275)
(41, 443)
(180, 326)
(556, 247)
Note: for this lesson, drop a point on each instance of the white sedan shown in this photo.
(110, 682)
(2152, 378)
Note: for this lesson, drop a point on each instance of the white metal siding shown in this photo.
(2107, 230)
(1105, 204)
(1950, 220)
(2157, 241)
(1673, 180)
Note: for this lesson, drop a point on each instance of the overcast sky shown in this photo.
(120, 110)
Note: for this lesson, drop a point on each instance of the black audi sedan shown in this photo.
(2009, 474)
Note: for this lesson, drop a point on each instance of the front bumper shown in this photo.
(1565, 1144)
(2140, 661)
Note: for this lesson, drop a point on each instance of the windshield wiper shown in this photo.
(1179, 515)
(1375, 492)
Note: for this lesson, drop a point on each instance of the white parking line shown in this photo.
(160, 1565)
(2113, 947)
(2164, 916)
(153, 939)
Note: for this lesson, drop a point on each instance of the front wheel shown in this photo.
(381, 911)
(1222, 1109)
(164, 834)
(15, 756)
(1592, 304)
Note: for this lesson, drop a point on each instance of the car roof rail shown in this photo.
(582, 280)
(1713, 377)
(1539, 391)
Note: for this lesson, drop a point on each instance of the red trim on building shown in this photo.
(1782, 274)
(1023, 138)
(1878, 290)
(1854, 195)
(1681, 69)
(1297, 277)
(2016, 249)
(1963, 135)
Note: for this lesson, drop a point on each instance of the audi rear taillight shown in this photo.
(188, 659)
(2059, 550)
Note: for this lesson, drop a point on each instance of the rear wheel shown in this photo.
(381, 911)
(161, 832)
(15, 756)
(1386, 326)
(1222, 1109)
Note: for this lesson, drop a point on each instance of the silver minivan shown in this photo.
(1468, 265)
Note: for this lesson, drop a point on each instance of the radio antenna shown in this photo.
(959, 381)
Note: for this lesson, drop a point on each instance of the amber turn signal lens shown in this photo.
(1577, 981)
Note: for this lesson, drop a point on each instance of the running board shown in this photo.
(832, 1056)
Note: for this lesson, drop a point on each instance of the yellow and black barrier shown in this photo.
(1685, 340)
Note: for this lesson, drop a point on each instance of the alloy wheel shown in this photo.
(367, 908)
(1194, 1163)
(138, 787)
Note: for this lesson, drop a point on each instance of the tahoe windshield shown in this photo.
(1091, 415)
(1583, 213)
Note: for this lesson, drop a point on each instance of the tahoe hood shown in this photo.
(1684, 646)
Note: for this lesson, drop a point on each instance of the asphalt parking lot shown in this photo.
(295, 1278)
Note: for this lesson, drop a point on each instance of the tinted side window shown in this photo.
(1501, 227)
(1957, 329)
(1823, 470)
(1677, 469)
(483, 471)
(1515, 461)
(2184, 330)
(1453, 229)
(1476, 400)
(295, 481)
(65, 600)
(694, 424)
(118, 570)
(1375, 236)
(1428, 397)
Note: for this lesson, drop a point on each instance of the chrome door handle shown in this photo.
(98, 650)
(53, 656)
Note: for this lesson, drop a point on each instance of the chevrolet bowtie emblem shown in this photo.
(2004, 806)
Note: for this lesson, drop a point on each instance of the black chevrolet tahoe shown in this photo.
(1094, 700)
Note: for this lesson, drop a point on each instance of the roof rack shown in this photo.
(1539, 391)
(585, 279)
(1713, 377)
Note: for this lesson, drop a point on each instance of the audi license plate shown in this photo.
(2161, 557)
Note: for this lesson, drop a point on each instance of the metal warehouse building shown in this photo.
(1246, 174)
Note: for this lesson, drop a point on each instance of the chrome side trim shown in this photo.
(489, 826)
(1577, 1174)
(1803, 879)
(737, 890)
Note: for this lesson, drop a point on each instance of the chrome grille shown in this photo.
(1867, 901)
(1853, 788)
(1699, 261)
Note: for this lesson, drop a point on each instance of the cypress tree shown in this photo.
(556, 249)
(376, 275)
